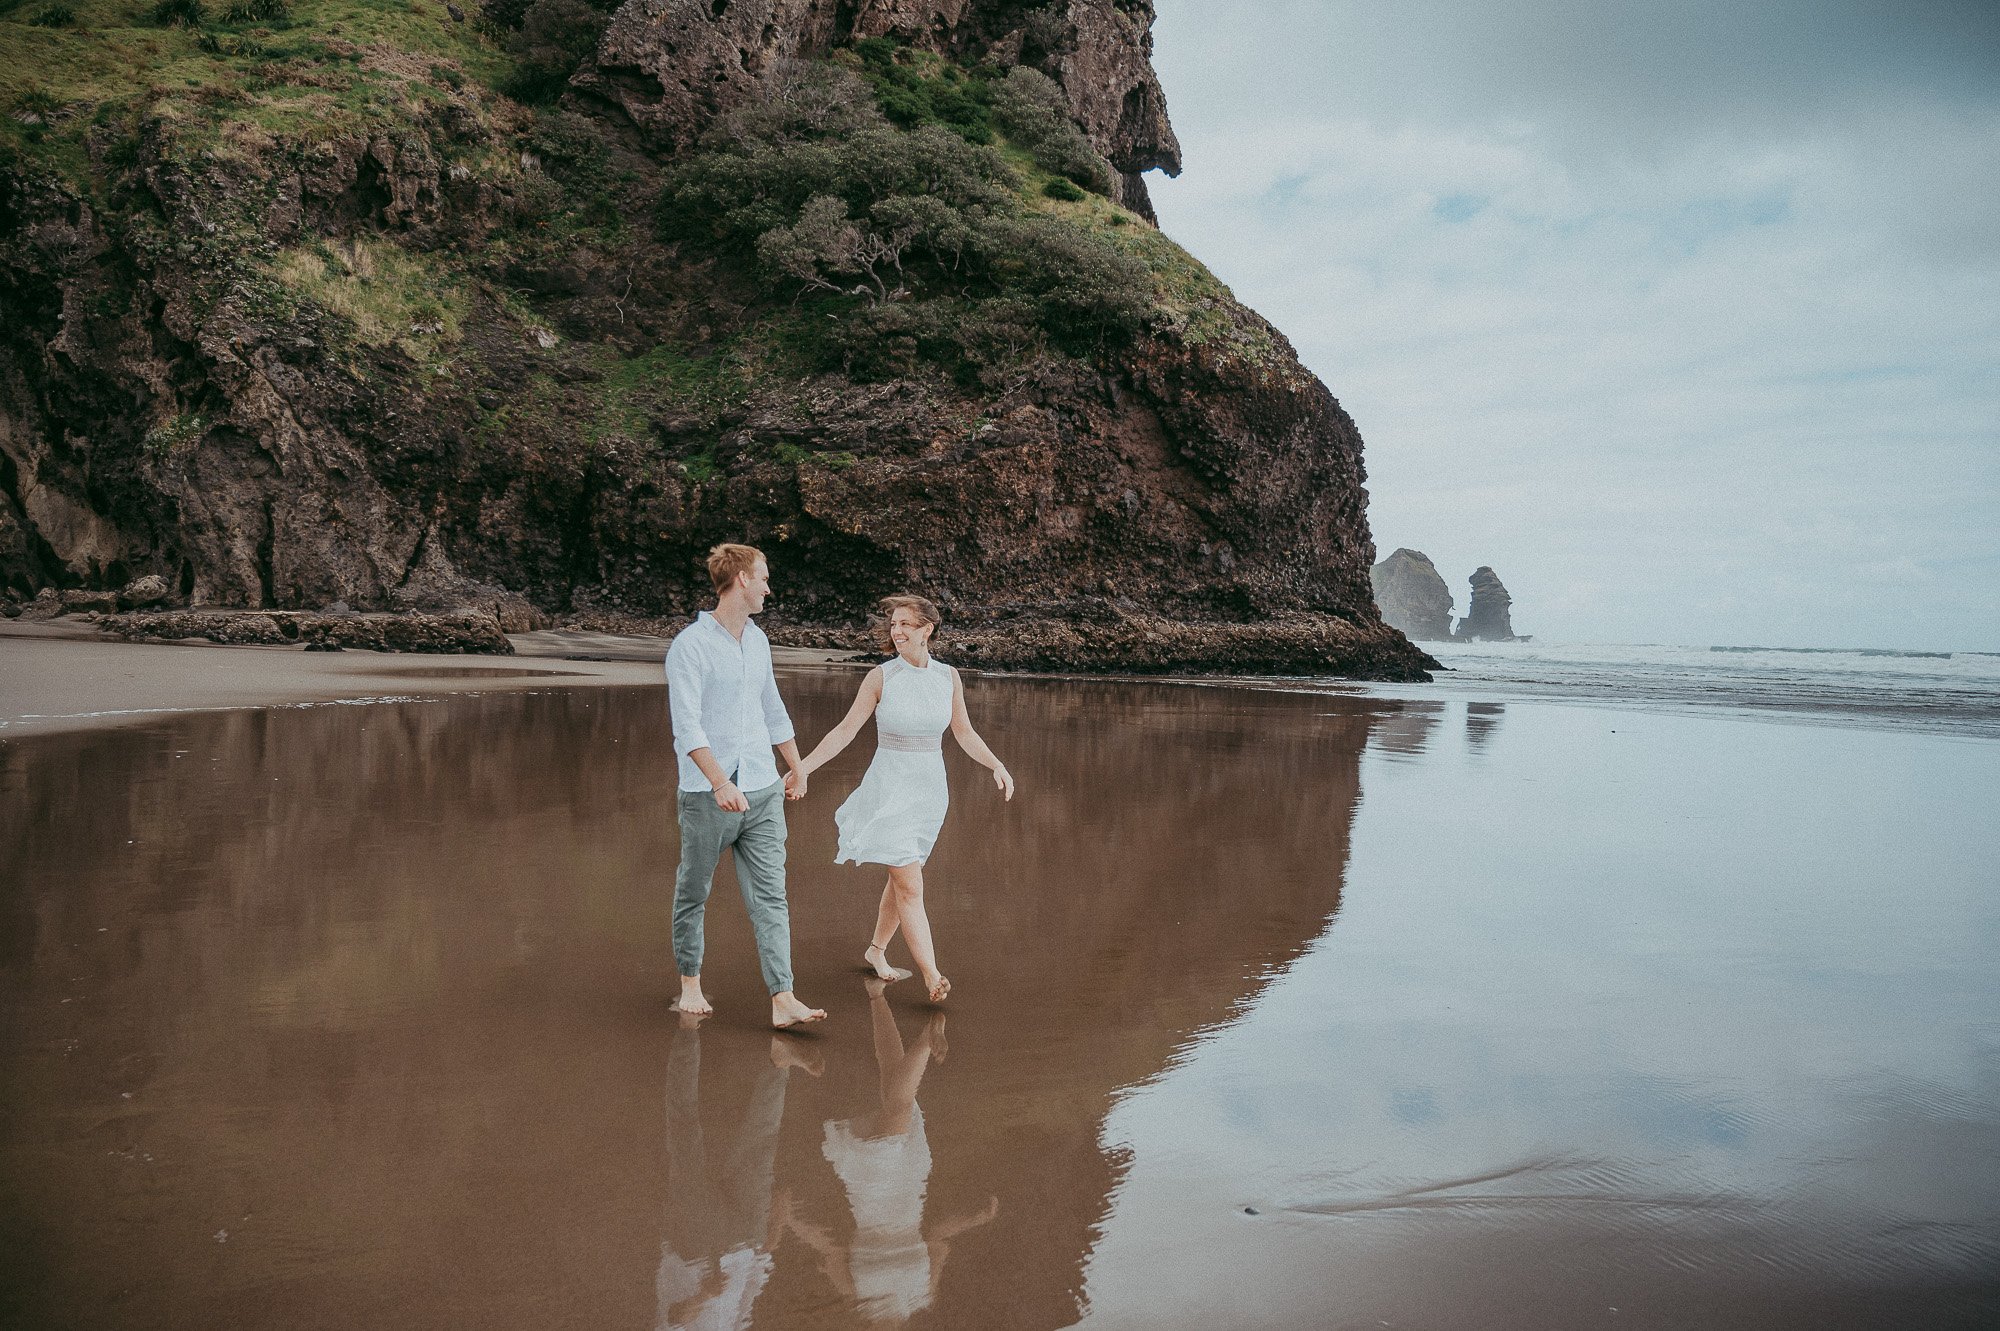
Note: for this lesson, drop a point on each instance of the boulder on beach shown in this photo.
(142, 592)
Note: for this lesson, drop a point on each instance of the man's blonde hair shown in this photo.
(727, 560)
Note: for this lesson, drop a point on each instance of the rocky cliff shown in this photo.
(671, 67)
(312, 311)
(1487, 618)
(1412, 596)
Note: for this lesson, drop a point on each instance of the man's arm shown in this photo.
(690, 737)
(776, 719)
(778, 722)
(727, 797)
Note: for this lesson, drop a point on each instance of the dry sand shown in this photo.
(68, 676)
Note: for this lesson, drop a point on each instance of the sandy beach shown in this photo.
(1270, 1009)
(66, 676)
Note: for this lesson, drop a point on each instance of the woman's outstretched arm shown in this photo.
(968, 739)
(838, 738)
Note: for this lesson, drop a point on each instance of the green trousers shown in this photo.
(757, 839)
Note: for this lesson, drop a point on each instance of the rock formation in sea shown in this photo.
(1413, 596)
(419, 315)
(1487, 618)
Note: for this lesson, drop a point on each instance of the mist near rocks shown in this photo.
(1684, 317)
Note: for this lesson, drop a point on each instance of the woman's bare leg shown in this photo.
(906, 883)
(876, 958)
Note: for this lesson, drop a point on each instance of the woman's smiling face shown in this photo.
(908, 630)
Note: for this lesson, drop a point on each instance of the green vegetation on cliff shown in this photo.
(308, 70)
(357, 300)
(874, 197)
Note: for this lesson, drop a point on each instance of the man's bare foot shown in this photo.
(691, 1000)
(804, 1055)
(877, 959)
(787, 1011)
(938, 987)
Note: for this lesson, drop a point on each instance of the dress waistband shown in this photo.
(909, 743)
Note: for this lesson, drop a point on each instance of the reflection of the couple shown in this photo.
(892, 1265)
(716, 1256)
(724, 1227)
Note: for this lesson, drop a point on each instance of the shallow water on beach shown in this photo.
(1269, 1009)
(1941, 692)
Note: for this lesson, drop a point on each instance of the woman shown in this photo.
(892, 818)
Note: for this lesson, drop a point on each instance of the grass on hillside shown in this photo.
(389, 296)
(330, 67)
(665, 378)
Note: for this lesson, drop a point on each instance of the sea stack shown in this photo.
(1413, 597)
(1487, 619)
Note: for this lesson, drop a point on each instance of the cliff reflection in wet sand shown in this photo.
(357, 1015)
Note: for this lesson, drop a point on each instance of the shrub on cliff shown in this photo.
(501, 17)
(1083, 288)
(257, 11)
(822, 193)
(1033, 110)
(780, 196)
(554, 38)
(806, 100)
(179, 13)
(915, 90)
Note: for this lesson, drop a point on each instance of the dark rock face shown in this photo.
(672, 66)
(176, 419)
(1413, 596)
(1487, 619)
(462, 632)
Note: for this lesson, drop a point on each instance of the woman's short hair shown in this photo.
(725, 561)
(922, 607)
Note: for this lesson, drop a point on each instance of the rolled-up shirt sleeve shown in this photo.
(684, 698)
(777, 720)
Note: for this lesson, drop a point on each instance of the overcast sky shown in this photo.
(1684, 317)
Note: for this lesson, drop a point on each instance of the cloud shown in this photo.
(1694, 303)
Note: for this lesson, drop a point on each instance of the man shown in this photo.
(727, 716)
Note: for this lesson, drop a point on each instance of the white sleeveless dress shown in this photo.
(894, 815)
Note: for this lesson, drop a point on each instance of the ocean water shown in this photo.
(1948, 692)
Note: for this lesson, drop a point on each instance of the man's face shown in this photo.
(756, 586)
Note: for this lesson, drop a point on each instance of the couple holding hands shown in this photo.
(727, 717)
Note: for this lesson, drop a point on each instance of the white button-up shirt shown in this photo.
(724, 698)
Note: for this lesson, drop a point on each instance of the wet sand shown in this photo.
(1268, 1010)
